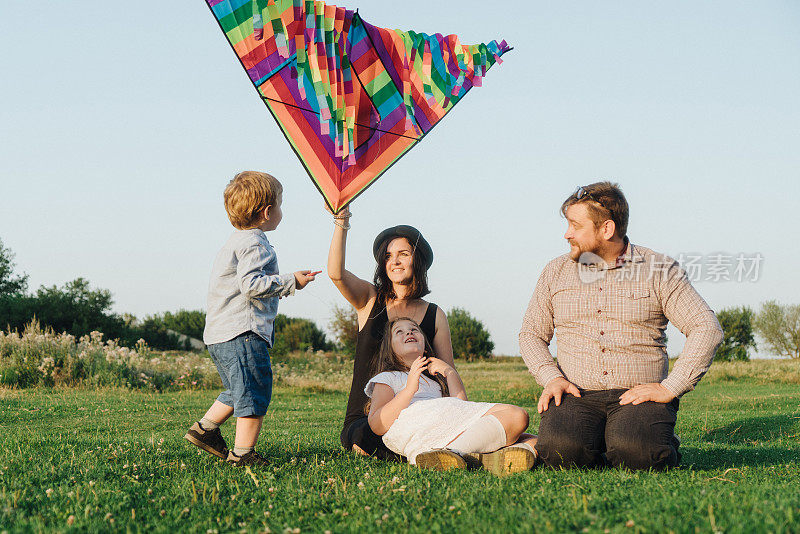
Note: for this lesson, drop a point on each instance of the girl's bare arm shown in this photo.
(386, 407)
(454, 383)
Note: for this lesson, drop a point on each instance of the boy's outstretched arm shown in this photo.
(302, 278)
(254, 282)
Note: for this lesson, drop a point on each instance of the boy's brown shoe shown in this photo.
(208, 440)
(251, 458)
(440, 460)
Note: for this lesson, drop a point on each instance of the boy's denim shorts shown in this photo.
(244, 367)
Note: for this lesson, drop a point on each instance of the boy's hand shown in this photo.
(302, 278)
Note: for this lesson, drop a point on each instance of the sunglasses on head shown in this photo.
(582, 192)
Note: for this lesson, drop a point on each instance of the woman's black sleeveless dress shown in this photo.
(356, 430)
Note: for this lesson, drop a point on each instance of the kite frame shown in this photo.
(291, 144)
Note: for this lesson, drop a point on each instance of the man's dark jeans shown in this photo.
(595, 430)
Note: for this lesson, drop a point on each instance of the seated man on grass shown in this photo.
(610, 399)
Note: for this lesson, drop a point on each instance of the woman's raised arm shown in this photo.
(358, 292)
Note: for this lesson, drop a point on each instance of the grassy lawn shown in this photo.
(115, 460)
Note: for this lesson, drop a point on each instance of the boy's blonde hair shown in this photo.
(248, 195)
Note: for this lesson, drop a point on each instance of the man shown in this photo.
(610, 399)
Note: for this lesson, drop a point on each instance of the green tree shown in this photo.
(779, 326)
(76, 308)
(293, 334)
(737, 334)
(153, 330)
(162, 330)
(470, 338)
(188, 322)
(344, 326)
(11, 285)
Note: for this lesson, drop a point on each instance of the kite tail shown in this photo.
(258, 22)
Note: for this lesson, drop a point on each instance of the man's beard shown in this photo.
(574, 252)
(585, 255)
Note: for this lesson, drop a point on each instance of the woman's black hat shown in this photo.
(414, 237)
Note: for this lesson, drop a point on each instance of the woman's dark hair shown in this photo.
(387, 360)
(419, 274)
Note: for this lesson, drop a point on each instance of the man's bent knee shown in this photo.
(559, 448)
(566, 453)
(565, 440)
(636, 454)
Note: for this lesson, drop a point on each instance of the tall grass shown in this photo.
(756, 371)
(39, 357)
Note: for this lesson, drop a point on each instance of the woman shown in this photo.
(403, 258)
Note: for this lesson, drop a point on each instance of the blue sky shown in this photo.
(121, 124)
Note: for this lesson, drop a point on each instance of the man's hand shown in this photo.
(302, 278)
(556, 388)
(646, 392)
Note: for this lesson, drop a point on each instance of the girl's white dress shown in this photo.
(430, 421)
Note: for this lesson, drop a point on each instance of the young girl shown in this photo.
(419, 405)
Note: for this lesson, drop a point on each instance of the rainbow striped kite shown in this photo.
(350, 97)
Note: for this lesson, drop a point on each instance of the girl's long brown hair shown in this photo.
(387, 360)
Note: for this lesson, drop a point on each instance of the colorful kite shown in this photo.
(350, 97)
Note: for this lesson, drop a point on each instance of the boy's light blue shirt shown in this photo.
(244, 289)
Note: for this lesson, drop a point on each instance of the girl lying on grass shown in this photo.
(419, 405)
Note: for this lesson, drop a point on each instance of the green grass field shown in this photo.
(114, 460)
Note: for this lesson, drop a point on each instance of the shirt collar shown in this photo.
(258, 233)
(631, 254)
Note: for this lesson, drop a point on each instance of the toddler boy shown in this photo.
(242, 304)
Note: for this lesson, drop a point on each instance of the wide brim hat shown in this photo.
(414, 237)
